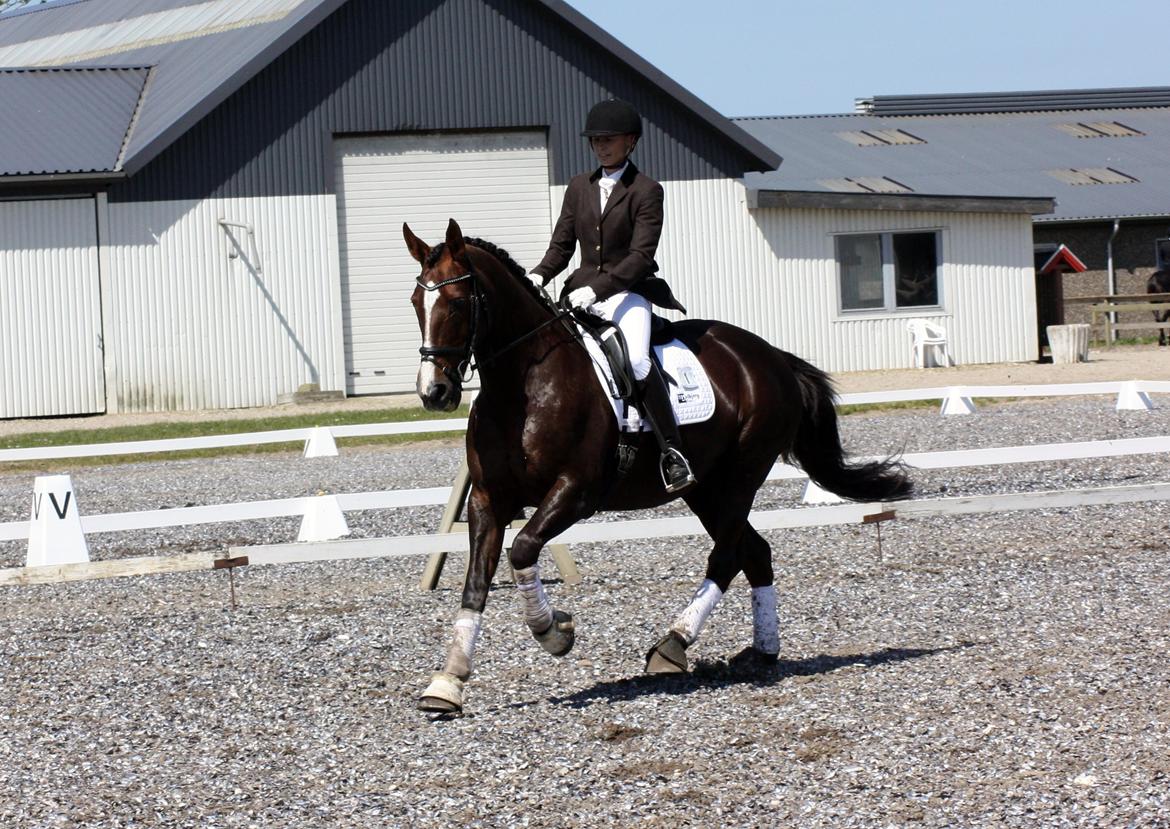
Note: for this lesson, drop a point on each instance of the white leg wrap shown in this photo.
(690, 622)
(765, 624)
(537, 611)
(459, 657)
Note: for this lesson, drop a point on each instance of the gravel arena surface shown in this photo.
(986, 670)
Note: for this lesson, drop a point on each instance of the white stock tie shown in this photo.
(606, 184)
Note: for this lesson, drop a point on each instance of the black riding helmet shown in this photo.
(612, 117)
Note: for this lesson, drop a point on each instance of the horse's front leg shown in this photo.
(565, 504)
(486, 523)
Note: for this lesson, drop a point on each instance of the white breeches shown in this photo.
(630, 313)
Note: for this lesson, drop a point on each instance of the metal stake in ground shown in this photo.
(876, 519)
(230, 564)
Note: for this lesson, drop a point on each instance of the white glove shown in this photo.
(536, 280)
(582, 297)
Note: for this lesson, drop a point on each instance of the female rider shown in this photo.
(615, 214)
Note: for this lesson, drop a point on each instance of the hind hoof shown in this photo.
(443, 696)
(751, 657)
(669, 656)
(559, 638)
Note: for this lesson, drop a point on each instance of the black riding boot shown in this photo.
(654, 402)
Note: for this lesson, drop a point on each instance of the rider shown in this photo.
(615, 214)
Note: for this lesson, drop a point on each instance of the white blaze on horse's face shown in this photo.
(428, 371)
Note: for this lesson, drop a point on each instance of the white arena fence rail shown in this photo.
(416, 545)
(1131, 394)
(434, 496)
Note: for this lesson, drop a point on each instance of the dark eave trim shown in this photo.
(765, 157)
(67, 179)
(819, 200)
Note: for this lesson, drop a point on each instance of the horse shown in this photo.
(542, 434)
(1159, 283)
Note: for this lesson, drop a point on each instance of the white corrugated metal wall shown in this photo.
(208, 316)
(50, 309)
(192, 326)
(774, 272)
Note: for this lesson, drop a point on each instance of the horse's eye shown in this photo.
(459, 304)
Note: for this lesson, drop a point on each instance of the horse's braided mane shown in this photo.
(504, 258)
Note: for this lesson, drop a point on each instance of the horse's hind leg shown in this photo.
(756, 561)
(724, 515)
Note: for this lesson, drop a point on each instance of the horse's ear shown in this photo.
(417, 247)
(455, 245)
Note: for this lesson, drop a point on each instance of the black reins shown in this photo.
(468, 353)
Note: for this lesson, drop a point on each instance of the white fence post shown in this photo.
(1131, 398)
(814, 494)
(320, 443)
(323, 519)
(55, 535)
(956, 404)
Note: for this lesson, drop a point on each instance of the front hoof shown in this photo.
(558, 639)
(443, 696)
(669, 656)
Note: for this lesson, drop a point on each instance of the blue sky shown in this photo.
(775, 57)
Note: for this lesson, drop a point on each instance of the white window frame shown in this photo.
(890, 306)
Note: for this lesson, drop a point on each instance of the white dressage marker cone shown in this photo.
(323, 519)
(320, 443)
(1131, 398)
(956, 404)
(55, 535)
(813, 494)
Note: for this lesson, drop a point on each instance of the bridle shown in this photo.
(464, 367)
(468, 354)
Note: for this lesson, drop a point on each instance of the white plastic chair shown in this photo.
(925, 334)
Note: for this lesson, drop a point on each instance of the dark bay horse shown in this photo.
(542, 434)
(1159, 283)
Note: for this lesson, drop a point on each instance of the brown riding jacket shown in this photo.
(617, 245)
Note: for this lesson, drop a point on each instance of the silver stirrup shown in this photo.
(681, 459)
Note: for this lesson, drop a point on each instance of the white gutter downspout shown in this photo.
(1112, 275)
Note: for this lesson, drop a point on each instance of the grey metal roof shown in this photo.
(202, 51)
(1018, 154)
(64, 121)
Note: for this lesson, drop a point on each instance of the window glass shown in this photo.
(884, 271)
(915, 269)
(1162, 253)
(860, 258)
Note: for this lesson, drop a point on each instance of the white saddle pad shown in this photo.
(691, 394)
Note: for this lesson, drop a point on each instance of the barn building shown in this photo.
(201, 200)
(1102, 154)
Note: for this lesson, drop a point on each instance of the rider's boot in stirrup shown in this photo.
(654, 401)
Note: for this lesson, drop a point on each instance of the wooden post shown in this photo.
(451, 523)
(459, 490)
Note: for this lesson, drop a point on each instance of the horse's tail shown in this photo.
(818, 449)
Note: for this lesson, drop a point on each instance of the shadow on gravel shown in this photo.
(741, 669)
